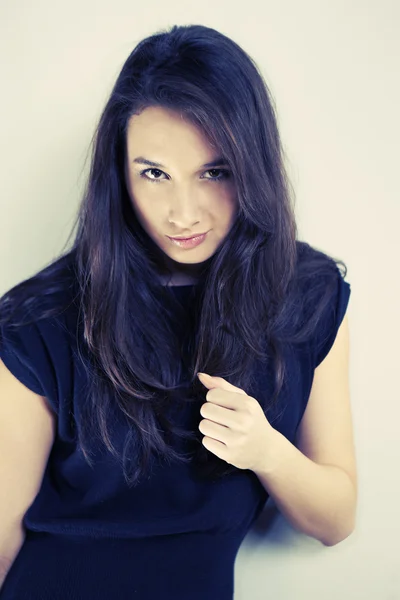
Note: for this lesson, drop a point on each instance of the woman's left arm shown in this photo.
(314, 483)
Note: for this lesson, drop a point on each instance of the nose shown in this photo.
(185, 213)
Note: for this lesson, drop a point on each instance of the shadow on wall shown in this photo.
(272, 528)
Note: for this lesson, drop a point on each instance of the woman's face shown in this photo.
(180, 197)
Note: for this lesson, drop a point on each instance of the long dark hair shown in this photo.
(253, 290)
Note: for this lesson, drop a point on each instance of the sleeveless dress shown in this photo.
(176, 535)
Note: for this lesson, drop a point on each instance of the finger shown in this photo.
(214, 430)
(219, 414)
(231, 400)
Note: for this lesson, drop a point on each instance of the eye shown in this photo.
(142, 174)
(224, 174)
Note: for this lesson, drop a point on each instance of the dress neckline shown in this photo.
(185, 286)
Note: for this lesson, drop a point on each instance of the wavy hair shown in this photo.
(253, 291)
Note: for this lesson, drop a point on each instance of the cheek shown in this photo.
(228, 211)
(221, 206)
(146, 214)
(140, 209)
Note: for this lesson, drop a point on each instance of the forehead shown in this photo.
(157, 128)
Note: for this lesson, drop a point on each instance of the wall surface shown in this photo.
(333, 69)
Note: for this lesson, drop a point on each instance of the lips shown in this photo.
(188, 238)
(189, 243)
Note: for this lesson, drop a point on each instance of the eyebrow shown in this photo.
(220, 161)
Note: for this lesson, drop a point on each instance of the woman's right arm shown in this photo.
(27, 432)
(13, 543)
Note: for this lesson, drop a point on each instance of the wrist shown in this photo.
(271, 453)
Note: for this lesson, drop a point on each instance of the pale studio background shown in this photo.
(333, 69)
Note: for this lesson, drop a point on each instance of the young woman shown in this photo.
(125, 472)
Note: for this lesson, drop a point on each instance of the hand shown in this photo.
(235, 427)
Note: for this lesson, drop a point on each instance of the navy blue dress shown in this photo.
(176, 535)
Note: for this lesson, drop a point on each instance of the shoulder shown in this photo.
(36, 337)
(322, 284)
